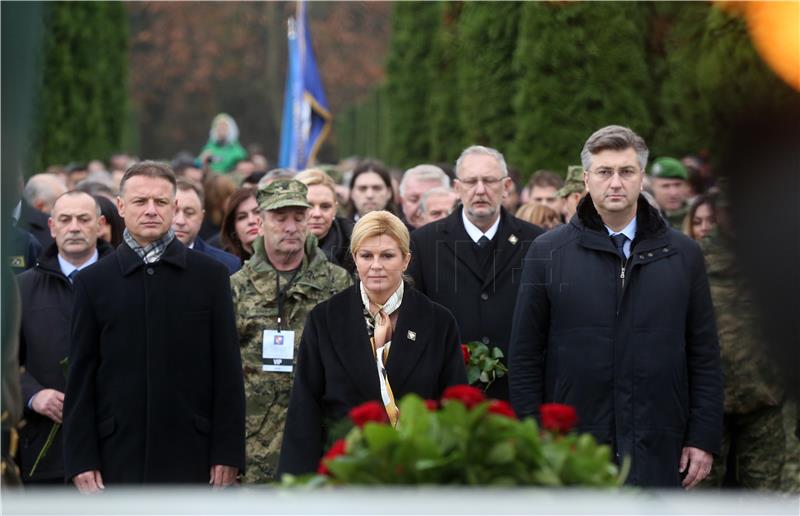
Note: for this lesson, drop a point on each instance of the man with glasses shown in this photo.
(614, 317)
(469, 261)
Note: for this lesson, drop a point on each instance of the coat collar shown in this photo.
(651, 230)
(355, 351)
(129, 261)
(507, 238)
(48, 260)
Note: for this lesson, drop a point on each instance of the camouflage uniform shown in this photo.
(671, 168)
(676, 218)
(791, 467)
(255, 303)
(753, 422)
(574, 181)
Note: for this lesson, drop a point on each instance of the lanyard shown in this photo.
(282, 293)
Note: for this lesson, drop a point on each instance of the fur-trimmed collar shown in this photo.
(649, 222)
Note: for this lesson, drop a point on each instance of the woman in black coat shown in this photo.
(344, 358)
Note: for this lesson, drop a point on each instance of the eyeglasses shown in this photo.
(487, 181)
(625, 173)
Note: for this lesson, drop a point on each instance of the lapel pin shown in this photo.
(513, 239)
(412, 335)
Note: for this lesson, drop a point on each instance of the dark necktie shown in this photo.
(71, 276)
(619, 242)
(483, 241)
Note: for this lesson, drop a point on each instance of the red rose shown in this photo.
(558, 418)
(466, 394)
(431, 405)
(366, 412)
(502, 408)
(465, 352)
(338, 448)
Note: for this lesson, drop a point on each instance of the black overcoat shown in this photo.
(155, 391)
(336, 367)
(46, 296)
(636, 353)
(445, 268)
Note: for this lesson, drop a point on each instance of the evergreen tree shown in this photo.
(487, 35)
(83, 94)
(446, 133)
(682, 124)
(582, 66)
(408, 81)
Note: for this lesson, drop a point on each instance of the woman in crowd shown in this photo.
(223, 150)
(332, 232)
(241, 225)
(701, 218)
(218, 190)
(375, 341)
(370, 189)
(110, 230)
(540, 215)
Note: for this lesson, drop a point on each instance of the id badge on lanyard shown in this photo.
(277, 351)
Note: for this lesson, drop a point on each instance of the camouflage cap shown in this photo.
(282, 193)
(668, 168)
(574, 182)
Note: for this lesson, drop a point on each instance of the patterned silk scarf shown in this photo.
(151, 252)
(379, 327)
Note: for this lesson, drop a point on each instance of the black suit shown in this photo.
(336, 367)
(481, 295)
(155, 391)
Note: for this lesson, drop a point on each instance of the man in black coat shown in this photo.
(470, 261)
(46, 298)
(614, 317)
(155, 391)
(188, 220)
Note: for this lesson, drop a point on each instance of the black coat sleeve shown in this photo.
(529, 331)
(415, 266)
(703, 363)
(301, 450)
(81, 451)
(454, 371)
(228, 428)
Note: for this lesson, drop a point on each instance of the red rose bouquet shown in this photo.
(464, 440)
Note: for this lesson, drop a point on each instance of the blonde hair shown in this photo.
(538, 214)
(315, 176)
(376, 223)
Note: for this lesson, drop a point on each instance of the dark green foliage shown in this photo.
(446, 134)
(408, 81)
(487, 36)
(83, 98)
(682, 122)
(581, 66)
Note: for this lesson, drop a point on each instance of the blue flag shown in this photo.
(307, 118)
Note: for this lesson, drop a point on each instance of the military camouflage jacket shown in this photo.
(255, 303)
(749, 379)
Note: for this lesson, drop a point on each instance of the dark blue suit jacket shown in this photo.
(230, 261)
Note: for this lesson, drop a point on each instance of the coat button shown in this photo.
(641, 257)
(650, 255)
(150, 271)
(484, 296)
(485, 340)
(665, 250)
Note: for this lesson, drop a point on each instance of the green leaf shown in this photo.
(379, 436)
(501, 453)
(51, 437)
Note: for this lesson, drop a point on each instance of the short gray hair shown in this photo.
(424, 172)
(614, 137)
(75, 193)
(43, 186)
(485, 151)
(439, 191)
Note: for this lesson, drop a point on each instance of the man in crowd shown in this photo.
(416, 181)
(572, 191)
(273, 292)
(46, 292)
(670, 183)
(614, 317)
(469, 262)
(544, 186)
(188, 220)
(436, 204)
(154, 392)
(753, 441)
(38, 196)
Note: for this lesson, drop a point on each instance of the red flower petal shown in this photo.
(465, 352)
(466, 394)
(558, 418)
(338, 448)
(502, 408)
(371, 411)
